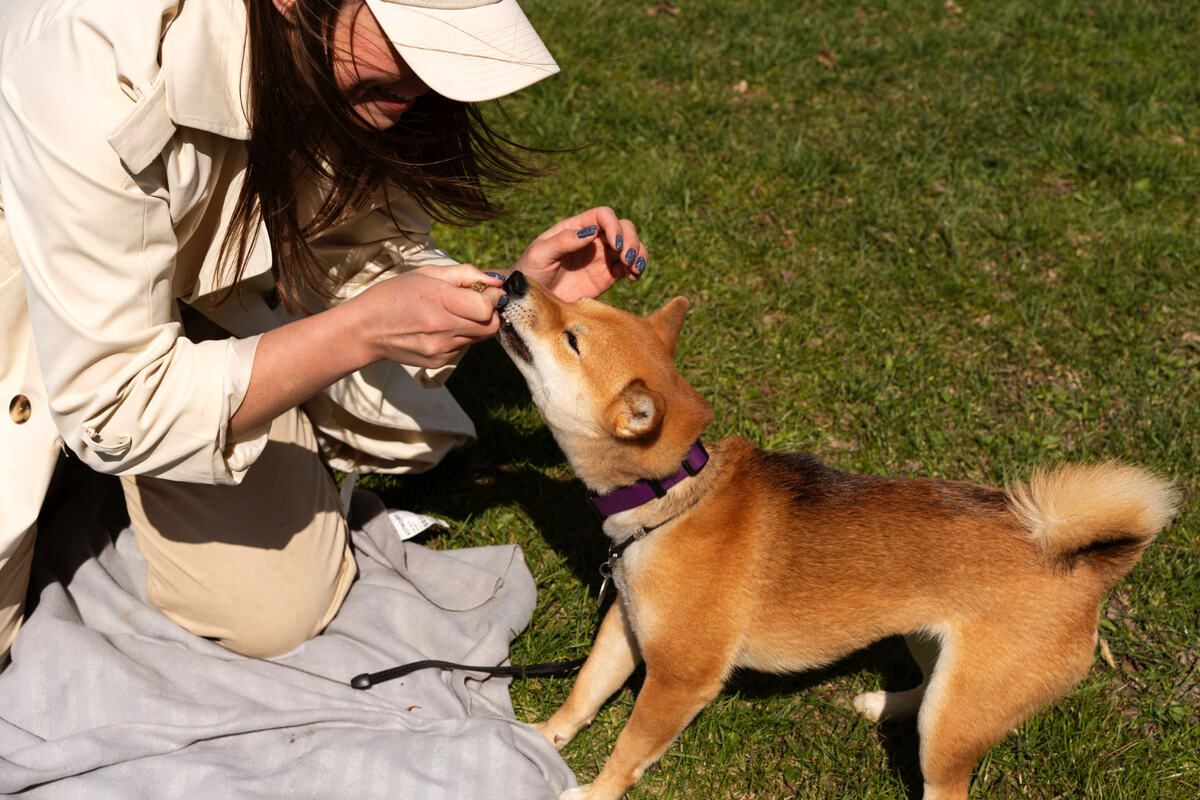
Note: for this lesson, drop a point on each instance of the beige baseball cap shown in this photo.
(468, 50)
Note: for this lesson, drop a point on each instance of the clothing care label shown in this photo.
(410, 525)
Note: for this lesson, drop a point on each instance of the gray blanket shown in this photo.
(106, 698)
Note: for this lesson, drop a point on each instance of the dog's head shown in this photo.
(605, 381)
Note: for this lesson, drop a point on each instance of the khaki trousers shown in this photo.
(259, 567)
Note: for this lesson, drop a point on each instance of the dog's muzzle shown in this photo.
(515, 286)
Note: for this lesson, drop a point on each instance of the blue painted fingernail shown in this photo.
(630, 256)
(502, 302)
(584, 233)
(640, 264)
(620, 241)
(496, 275)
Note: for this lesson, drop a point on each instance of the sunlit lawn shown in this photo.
(920, 238)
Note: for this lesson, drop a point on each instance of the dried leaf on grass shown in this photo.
(1106, 654)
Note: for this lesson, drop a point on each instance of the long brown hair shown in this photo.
(442, 153)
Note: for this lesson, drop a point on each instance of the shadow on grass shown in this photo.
(888, 658)
(507, 466)
(559, 509)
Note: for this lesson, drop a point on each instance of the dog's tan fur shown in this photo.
(778, 563)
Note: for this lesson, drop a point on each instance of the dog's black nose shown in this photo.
(516, 284)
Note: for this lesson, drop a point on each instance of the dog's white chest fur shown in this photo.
(628, 571)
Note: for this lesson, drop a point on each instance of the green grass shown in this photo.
(919, 239)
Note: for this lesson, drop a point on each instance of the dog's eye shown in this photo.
(572, 341)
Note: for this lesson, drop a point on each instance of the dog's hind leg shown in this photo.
(986, 682)
(612, 660)
(878, 706)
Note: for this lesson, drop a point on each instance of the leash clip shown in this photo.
(606, 572)
(614, 553)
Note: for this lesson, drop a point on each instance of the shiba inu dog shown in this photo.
(726, 556)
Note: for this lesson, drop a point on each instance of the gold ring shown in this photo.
(479, 286)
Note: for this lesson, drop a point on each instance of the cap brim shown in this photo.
(471, 54)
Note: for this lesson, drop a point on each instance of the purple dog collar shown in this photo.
(645, 490)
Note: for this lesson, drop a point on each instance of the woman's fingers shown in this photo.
(463, 275)
(475, 295)
(631, 252)
(427, 316)
(627, 255)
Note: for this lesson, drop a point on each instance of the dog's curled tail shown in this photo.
(1104, 514)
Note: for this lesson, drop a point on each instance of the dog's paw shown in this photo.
(557, 739)
(871, 705)
(878, 706)
(578, 793)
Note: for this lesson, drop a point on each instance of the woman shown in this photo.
(216, 274)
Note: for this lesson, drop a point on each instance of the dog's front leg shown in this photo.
(664, 707)
(612, 660)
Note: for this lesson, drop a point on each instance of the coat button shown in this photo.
(19, 409)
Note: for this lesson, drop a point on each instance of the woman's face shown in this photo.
(368, 71)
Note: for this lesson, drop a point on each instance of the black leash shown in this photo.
(552, 668)
(548, 669)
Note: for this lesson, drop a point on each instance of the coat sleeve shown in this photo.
(390, 237)
(387, 417)
(128, 393)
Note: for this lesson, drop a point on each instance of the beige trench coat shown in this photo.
(121, 157)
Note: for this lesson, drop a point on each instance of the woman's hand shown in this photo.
(428, 316)
(425, 317)
(584, 255)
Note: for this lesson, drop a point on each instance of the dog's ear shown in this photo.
(637, 411)
(668, 320)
